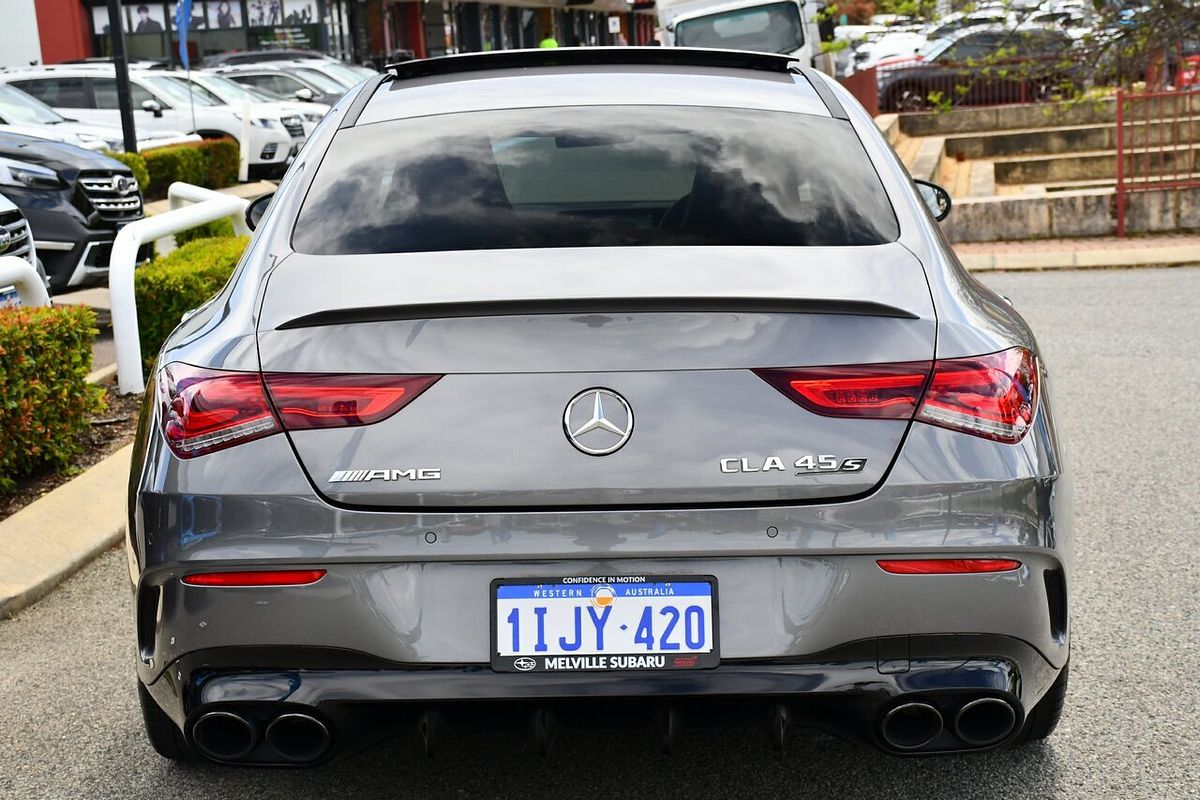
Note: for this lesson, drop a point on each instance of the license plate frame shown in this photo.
(669, 661)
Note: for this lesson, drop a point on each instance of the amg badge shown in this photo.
(805, 465)
(365, 475)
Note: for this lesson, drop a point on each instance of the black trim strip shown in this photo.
(836, 110)
(590, 57)
(362, 98)
(621, 305)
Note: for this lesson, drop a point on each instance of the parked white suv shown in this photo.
(15, 240)
(24, 114)
(297, 117)
(88, 92)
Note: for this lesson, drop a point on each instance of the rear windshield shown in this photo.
(610, 176)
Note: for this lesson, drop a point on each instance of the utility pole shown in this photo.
(124, 98)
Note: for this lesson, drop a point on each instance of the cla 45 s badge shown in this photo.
(805, 465)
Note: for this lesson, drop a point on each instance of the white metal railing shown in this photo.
(15, 271)
(205, 206)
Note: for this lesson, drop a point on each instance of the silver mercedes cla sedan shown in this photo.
(571, 385)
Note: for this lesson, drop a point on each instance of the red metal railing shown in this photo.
(1158, 140)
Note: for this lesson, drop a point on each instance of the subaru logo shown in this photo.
(524, 663)
(598, 421)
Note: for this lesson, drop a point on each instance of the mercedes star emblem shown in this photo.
(598, 421)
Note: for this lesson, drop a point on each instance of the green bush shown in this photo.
(136, 163)
(45, 401)
(222, 228)
(212, 163)
(166, 165)
(169, 287)
(223, 157)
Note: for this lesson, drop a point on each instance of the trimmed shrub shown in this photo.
(223, 157)
(136, 163)
(169, 287)
(221, 229)
(212, 163)
(45, 401)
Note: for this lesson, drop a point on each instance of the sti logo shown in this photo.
(367, 475)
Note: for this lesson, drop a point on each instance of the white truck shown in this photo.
(770, 26)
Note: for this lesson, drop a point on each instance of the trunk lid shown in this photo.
(672, 333)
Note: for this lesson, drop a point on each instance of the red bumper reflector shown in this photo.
(274, 577)
(946, 566)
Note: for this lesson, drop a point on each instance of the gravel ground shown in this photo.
(1124, 366)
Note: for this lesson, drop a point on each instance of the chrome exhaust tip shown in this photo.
(984, 721)
(910, 726)
(299, 738)
(224, 735)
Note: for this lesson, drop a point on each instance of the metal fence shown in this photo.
(1157, 137)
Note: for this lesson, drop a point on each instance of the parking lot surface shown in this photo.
(1122, 352)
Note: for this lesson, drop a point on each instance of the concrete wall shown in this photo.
(19, 42)
(1092, 212)
(1013, 117)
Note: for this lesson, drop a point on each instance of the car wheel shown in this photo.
(165, 738)
(910, 98)
(1042, 721)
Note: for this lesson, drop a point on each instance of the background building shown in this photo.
(54, 31)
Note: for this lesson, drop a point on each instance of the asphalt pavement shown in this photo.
(1122, 351)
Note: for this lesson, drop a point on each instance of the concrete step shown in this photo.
(1096, 165)
(1072, 138)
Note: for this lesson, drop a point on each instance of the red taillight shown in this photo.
(274, 577)
(883, 391)
(992, 396)
(335, 401)
(206, 410)
(946, 566)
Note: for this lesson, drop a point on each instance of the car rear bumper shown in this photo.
(848, 691)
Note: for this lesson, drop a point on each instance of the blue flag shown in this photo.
(183, 18)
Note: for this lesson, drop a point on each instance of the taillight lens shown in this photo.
(271, 577)
(334, 401)
(881, 391)
(946, 566)
(992, 396)
(207, 410)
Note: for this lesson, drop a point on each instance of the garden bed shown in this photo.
(110, 430)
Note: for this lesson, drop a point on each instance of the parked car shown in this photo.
(75, 201)
(400, 483)
(290, 115)
(284, 80)
(980, 66)
(347, 75)
(911, 40)
(261, 56)
(232, 92)
(22, 113)
(15, 240)
(89, 92)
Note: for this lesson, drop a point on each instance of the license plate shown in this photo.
(594, 623)
(9, 298)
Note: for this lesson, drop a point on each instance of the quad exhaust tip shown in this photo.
(299, 738)
(224, 735)
(910, 726)
(984, 721)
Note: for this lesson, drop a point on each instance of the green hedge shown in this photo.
(212, 163)
(169, 287)
(169, 164)
(45, 402)
(222, 228)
